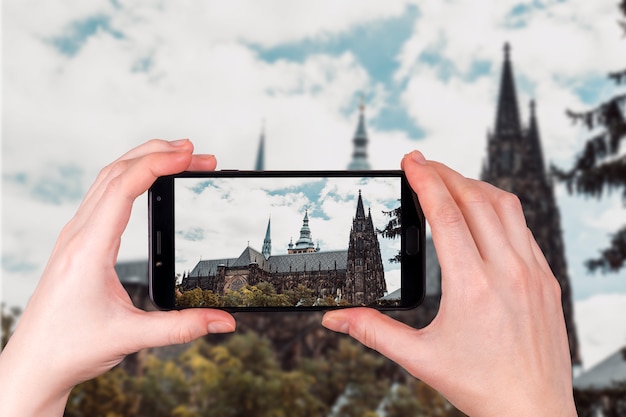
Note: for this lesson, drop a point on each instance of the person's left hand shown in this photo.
(80, 322)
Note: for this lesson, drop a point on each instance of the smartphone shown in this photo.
(285, 240)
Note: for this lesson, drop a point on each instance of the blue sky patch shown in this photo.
(592, 90)
(57, 185)
(375, 46)
(14, 265)
(194, 234)
(201, 186)
(76, 34)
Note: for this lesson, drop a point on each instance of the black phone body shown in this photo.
(285, 240)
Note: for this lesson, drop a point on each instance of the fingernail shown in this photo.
(220, 327)
(179, 142)
(418, 157)
(337, 325)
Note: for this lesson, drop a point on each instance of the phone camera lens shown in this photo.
(158, 198)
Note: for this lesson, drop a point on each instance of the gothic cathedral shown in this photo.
(515, 163)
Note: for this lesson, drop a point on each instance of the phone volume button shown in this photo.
(158, 242)
(412, 241)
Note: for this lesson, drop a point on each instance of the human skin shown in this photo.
(498, 345)
(80, 322)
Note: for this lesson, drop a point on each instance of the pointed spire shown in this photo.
(305, 241)
(267, 242)
(260, 156)
(534, 154)
(360, 211)
(507, 114)
(359, 156)
(370, 222)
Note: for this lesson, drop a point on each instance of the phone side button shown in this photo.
(412, 242)
(158, 242)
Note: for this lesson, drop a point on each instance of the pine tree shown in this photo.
(600, 168)
(393, 228)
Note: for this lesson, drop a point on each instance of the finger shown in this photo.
(152, 146)
(450, 232)
(479, 213)
(393, 339)
(164, 328)
(108, 214)
(156, 145)
(540, 258)
(509, 210)
(202, 163)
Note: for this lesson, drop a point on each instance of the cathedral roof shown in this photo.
(607, 374)
(312, 261)
(132, 272)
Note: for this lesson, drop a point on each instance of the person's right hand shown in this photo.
(498, 346)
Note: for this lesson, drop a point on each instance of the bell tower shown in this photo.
(515, 163)
(359, 156)
(365, 279)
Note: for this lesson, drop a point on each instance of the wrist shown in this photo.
(27, 391)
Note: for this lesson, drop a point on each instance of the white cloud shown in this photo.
(454, 116)
(232, 213)
(204, 82)
(601, 330)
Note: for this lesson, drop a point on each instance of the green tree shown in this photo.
(349, 381)
(243, 378)
(262, 294)
(300, 296)
(105, 396)
(198, 298)
(393, 228)
(162, 387)
(599, 167)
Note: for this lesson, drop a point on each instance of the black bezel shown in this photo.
(161, 236)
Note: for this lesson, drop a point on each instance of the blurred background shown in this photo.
(84, 81)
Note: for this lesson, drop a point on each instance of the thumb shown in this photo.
(163, 328)
(395, 340)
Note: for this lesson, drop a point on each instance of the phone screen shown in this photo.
(287, 242)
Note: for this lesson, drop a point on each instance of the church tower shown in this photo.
(304, 244)
(267, 242)
(260, 155)
(365, 280)
(359, 156)
(515, 163)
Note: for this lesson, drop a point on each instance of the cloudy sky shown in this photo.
(218, 218)
(83, 81)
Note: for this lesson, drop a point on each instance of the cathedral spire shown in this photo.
(535, 155)
(267, 242)
(504, 145)
(359, 156)
(360, 211)
(515, 163)
(507, 114)
(305, 242)
(260, 156)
